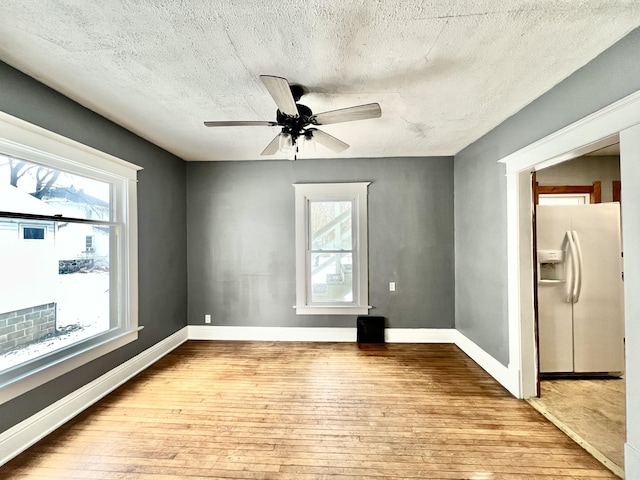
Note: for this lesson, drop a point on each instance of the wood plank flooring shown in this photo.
(266, 410)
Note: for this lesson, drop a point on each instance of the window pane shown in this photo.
(55, 292)
(331, 278)
(33, 233)
(27, 187)
(330, 225)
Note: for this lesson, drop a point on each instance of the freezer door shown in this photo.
(555, 323)
(598, 315)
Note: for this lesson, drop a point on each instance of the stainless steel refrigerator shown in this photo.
(580, 288)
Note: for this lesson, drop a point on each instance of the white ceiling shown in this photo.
(445, 72)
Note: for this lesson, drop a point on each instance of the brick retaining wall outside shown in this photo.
(73, 266)
(24, 326)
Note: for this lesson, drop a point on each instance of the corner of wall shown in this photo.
(508, 377)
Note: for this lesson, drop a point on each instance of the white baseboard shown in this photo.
(21, 436)
(507, 377)
(272, 334)
(319, 334)
(420, 335)
(631, 461)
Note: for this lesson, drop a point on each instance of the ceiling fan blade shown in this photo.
(240, 123)
(273, 146)
(329, 141)
(360, 112)
(281, 93)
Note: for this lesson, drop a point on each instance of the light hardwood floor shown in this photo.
(263, 410)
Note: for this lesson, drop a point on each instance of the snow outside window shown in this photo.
(68, 243)
(331, 249)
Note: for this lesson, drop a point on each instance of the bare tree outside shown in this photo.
(45, 177)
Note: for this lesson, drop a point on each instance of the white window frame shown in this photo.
(352, 192)
(29, 142)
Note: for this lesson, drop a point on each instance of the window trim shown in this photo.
(32, 143)
(357, 193)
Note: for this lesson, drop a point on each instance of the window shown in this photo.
(88, 243)
(331, 249)
(68, 250)
(33, 233)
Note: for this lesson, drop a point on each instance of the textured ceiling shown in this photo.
(445, 72)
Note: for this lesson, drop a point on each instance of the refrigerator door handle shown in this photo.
(571, 258)
(578, 281)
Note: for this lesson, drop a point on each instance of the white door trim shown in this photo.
(590, 133)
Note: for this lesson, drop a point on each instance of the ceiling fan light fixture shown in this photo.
(286, 143)
(308, 143)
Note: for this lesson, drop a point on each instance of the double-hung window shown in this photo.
(331, 248)
(68, 255)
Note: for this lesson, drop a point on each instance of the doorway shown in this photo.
(590, 408)
(618, 122)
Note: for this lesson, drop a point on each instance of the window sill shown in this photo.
(50, 371)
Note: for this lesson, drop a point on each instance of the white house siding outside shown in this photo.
(26, 314)
(80, 247)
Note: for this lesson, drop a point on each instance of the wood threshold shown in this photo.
(597, 454)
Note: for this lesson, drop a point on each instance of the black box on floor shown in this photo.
(370, 329)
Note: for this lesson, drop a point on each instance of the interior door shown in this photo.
(598, 315)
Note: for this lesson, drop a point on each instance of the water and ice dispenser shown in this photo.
(551, 266)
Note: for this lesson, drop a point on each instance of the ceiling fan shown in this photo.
(298, 121)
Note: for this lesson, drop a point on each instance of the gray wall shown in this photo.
(162, 228)
(480, 209)
(241, 240)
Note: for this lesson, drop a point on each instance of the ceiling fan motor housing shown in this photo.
(297, 91)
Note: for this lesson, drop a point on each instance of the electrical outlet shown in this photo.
(207, 318)
(392, 286)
